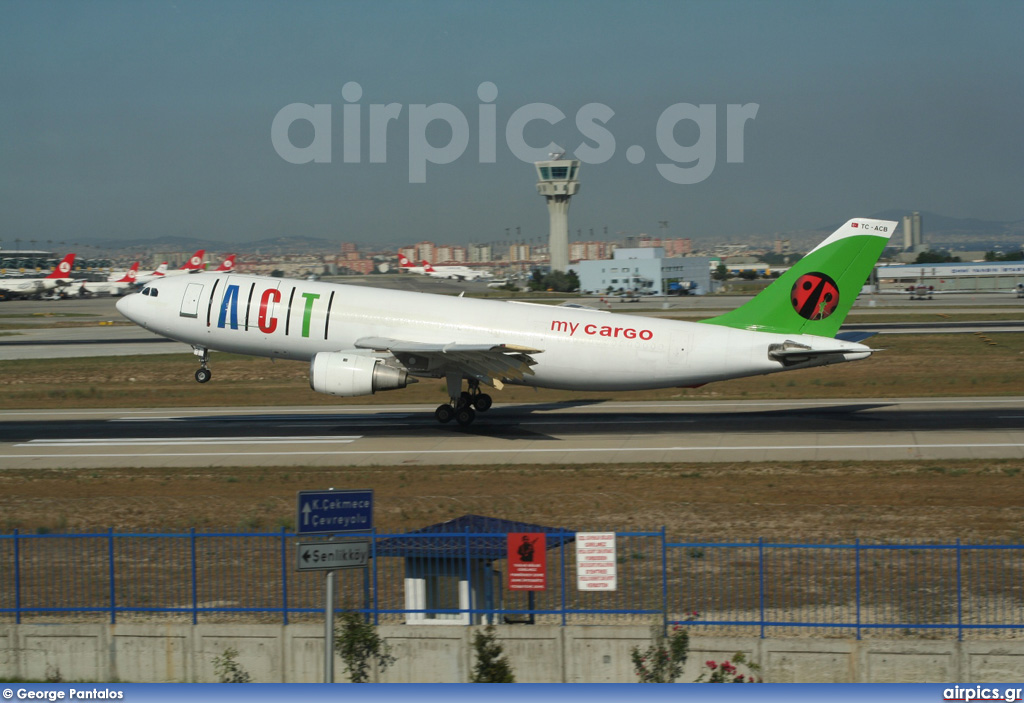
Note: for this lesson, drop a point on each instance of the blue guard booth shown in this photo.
(454, 569)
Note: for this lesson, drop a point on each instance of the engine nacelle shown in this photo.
(354, 373)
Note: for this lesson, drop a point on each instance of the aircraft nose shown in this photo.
(130, 307)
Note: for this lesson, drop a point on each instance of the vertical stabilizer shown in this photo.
(815, 294)
(63, 269)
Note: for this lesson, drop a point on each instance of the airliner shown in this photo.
(156, 274)
(60, 277)
(119, 287)
(227, 265)
(116, 276)
(406, 266)
(193, 265)
(461, 273)
(359, 341)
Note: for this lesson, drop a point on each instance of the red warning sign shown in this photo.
(527, 561)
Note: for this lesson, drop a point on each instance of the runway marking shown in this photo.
(295, 418)
(507, 451)
(149, 419)
(154, 442)
(645, 421)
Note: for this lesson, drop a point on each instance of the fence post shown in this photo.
(760, 567)
(284, 575)
(113, 585)
(469, 580)
(856, 552)
(17, 579)
(561, 550)
(376, 591)
(664, 580)
(195, 587)
(959, 597)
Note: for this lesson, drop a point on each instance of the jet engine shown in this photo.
(354, 373)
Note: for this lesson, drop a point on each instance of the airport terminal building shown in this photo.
(968, 277)
(643, 271)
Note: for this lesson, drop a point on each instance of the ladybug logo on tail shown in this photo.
(815, 296)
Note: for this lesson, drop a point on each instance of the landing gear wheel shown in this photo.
(203, 374)
(465, 399)
(482, 402)
(465, 415)
(444, 413)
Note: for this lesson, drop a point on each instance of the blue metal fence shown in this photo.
(757, 587)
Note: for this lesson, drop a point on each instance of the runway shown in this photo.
(564, 433)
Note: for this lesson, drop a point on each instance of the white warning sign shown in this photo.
(595, 561)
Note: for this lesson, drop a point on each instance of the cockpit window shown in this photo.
(150, 291)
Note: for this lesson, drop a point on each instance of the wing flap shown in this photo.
(490, 363)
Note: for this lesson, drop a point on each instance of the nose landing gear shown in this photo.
(203, 374)
(464, 405)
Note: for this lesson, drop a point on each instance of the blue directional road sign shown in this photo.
(346, 553)
(334, 512)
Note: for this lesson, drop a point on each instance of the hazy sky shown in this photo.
(131, 119)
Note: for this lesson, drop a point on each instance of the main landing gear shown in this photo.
(464, 405)
(203, 374)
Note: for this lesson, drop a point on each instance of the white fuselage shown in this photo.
(105, 287)
(581, 349)
(31, 286)
(458, 272)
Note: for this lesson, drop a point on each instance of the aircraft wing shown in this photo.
(490, 363)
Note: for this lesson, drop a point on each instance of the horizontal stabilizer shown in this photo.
(855, 336)
(790, 353)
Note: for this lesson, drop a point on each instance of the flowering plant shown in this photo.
(729, 671)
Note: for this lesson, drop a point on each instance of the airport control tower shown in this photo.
(557, 182)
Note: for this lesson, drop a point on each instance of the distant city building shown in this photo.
(479, 253)
(424, 252)
(913, 240)
(672, 247)
(362, 266)
(519, 252)
(582, 251)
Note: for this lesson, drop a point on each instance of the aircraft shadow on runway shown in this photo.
(546, 421)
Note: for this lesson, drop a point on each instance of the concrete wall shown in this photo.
(443, 654)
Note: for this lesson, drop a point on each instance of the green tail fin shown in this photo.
(816, 293)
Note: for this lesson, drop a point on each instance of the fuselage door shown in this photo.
(190, 301)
